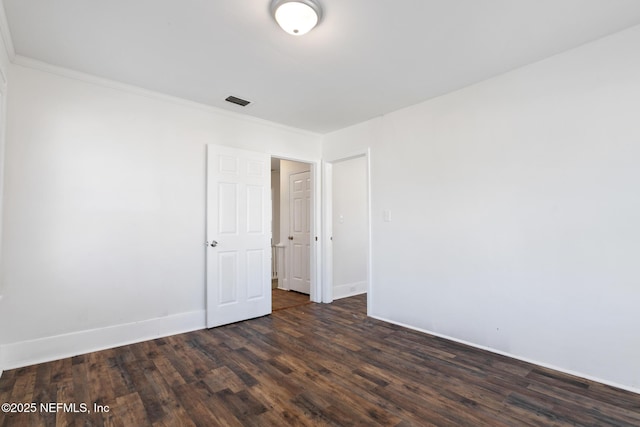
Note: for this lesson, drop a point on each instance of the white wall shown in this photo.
(350, 227)
(275, 205)
(105, 211)
(5, 47)
(275, 223)
(515, 209)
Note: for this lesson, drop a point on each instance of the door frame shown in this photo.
(315, 215)
(327, 225)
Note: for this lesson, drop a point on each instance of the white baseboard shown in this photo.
(349, 290)
(25, 353)
(524, 359)
(283, 284)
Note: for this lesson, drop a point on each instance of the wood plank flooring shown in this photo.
(313, 365)
(287, 299)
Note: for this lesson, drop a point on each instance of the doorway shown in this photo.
(347, 224)
(292, 230)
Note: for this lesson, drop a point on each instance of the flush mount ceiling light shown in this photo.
(296, 17)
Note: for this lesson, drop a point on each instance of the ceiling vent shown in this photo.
(238, 101)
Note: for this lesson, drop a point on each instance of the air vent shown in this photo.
(238, 101)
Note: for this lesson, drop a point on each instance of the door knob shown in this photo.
(213, 244)
(290, 237)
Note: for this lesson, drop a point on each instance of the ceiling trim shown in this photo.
(26, 62)
(6, 33)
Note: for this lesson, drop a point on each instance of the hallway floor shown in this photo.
(287, 299)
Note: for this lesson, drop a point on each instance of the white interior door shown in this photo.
(238, 235)
(300, 232)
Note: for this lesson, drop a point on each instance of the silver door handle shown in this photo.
(213, 244)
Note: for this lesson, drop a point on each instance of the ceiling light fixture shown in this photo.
(296, 17)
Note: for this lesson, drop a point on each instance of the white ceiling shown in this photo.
(365, 59)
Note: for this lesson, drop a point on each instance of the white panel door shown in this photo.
(300, 232)
(238, 235)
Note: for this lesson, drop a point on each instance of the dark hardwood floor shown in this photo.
(313, 364)
(286, 299)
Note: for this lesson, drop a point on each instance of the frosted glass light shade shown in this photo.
(296, 17)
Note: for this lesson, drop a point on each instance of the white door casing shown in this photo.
(300, 232)
(238, 235)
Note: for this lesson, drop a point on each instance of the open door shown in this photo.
(238, 235)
